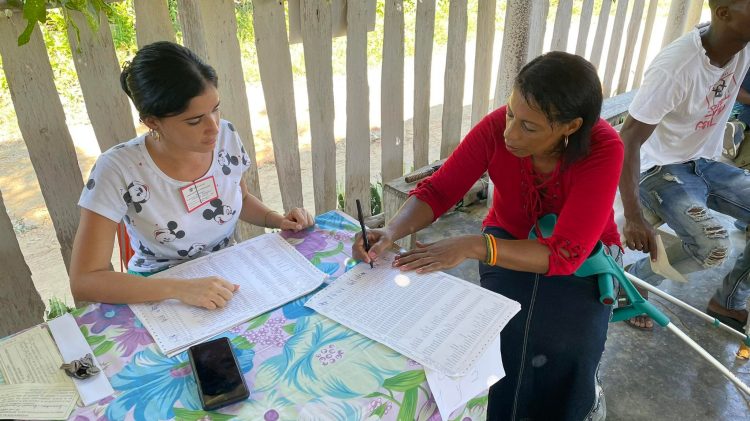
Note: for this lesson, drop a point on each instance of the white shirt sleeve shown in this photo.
(104, 189)
(659, 94)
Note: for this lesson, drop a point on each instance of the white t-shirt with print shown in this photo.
(689, 98)
(126, 185)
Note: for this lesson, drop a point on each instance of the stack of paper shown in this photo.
(36, 389)
(270, 273)
(448, 325)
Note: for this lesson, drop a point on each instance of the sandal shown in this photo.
(642, 322)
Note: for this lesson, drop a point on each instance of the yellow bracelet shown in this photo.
(265, 218)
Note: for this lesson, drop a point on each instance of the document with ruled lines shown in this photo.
(438, 320)
(270, 273)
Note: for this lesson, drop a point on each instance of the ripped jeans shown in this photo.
(681, 195)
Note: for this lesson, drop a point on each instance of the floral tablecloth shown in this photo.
(298, 365)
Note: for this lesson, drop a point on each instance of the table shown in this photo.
(298, 364)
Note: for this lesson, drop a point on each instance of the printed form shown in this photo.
(438, 320)
(270, 273)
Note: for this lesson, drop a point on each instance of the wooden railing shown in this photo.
(210, 29)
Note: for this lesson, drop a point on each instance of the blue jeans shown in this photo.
(681, 195)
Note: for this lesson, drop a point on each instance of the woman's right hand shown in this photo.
(211, 292)
(379, 240)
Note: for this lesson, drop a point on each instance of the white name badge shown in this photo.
(198, 193)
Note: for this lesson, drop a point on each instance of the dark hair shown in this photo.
(163, 77)
(564, 87)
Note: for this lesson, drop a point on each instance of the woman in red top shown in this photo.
(547, 151)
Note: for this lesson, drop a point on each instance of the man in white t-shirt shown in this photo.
(672, 136)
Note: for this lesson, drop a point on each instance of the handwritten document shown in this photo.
(32, 357)
(438, 320)
(270, 273)
(37, 401)
(452, 392)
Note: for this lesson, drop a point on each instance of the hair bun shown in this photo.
(124, 78)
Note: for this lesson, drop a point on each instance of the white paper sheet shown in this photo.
(452, 392)
(270, 273)
(436, 319)
(72, 346)
(662, 265)
(37, 401)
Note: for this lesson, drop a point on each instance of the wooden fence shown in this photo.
(210, 29)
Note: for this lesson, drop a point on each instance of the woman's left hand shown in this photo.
(440, 255)
(297, 219)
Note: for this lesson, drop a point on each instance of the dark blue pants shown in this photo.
(551, 349)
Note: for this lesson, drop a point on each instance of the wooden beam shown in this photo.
(392, 92)
(614, 47)
(20, 304)
(99, 75)
(584, 25)
(42, 122)
(678, 10)
(633, 29)
(453, 80)
(422, 70)
(275, 65)
(561, 29)
(601, 32)
(480, 103)
(645, 42)
(357, 181)
(152, 22)
(318, 49)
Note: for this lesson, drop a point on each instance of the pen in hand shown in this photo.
(364, 229)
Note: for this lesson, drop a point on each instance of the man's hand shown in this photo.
(640, 235)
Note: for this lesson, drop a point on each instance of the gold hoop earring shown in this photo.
(565, 142)
(154, 135)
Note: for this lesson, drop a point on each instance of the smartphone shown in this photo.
(220, 380)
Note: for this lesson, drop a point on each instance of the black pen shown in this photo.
(364, 229)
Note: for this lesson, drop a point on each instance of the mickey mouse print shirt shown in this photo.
(126, 185)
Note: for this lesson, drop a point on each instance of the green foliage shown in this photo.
(35, 11)
(376, 197)
(57, 308)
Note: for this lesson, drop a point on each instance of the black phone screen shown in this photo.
(220, 381)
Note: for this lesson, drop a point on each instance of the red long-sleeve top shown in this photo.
(581, 194)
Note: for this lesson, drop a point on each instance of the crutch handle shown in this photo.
(606, 289)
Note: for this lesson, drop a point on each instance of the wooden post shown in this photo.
(645, 42)
(357, 110)
(633, 29)
(42, 122)
(482, 60)
(614, 47)
(20, 304)
(562, 25)
(520, 27)
(318, 48)
(538, 21)
(601, 32)
(455, 71)
(422, 69)
(275, 65)
(99, 74)
(693, 15)
(152, 22)
(392, 92)
(678, 10)
(584, 25)
(212, 24)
